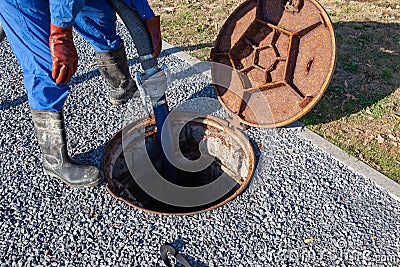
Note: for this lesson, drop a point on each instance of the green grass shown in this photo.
(377, 110)
(351, 66)
(331, 13)
(186, 16)
(386, 74)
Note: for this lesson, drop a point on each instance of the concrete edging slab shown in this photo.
(354, 164)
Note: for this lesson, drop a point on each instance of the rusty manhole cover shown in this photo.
(287, 51)
(230, 169)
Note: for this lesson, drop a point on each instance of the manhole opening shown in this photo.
(231, 155)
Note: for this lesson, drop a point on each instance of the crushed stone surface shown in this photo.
(302, 208)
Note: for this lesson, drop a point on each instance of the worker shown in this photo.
(41, 37)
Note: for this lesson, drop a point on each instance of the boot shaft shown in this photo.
(113, 66)
(50, 133)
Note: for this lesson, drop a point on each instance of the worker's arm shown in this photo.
(142, 7)
(64, 12)
(151, 22)
(62, 48)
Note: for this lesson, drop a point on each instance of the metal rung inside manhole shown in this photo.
(229, 151)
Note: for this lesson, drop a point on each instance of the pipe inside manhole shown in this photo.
(216, 164)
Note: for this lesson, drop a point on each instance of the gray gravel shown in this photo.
(298, 194)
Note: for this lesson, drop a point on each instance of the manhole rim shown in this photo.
(221, 124)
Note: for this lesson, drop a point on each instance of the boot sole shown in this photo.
(91, 184)
(118, 101)
(115, 101)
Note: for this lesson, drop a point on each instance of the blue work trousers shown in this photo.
(27, 25)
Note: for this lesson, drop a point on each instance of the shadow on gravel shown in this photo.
(13, 103)
(78, 79)
(81, 78)
(367, 70)
(207, 91)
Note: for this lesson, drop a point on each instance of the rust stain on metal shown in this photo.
(287, 50)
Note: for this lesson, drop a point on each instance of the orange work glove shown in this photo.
(63, 54)
(153, 27)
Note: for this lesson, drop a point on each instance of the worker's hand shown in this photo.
(153, 27)
(63, 54)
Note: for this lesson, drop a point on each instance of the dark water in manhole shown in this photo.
(189, 140)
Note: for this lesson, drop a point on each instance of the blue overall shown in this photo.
(27, 27)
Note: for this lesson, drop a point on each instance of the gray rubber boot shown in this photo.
(113, 66)
(50, 133)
